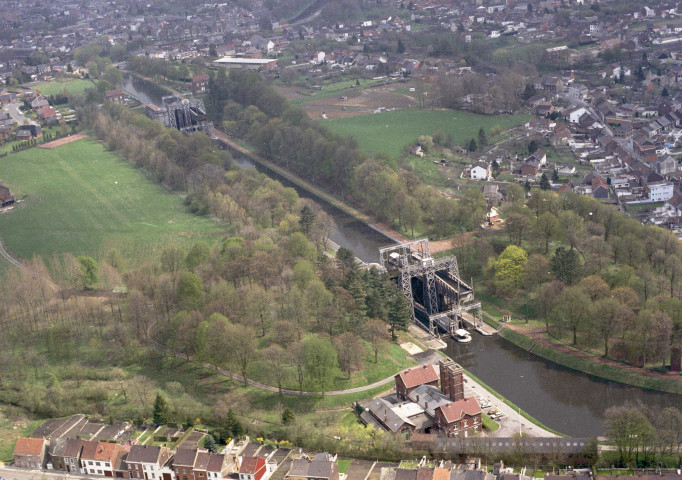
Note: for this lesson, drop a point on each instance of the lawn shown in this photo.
(14, 423)
(341, 87)
(79, 198)
(389, 132)
(71, 85)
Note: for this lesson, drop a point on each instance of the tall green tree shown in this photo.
(399, 314)
(160, 414)
(566, 265)
(320, 361)
(89, 272)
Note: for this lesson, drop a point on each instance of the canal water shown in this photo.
(570, 402)
(141, 90)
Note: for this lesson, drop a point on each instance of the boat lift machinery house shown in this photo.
(439, 298)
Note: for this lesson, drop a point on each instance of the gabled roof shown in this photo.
(305, 468)
(106, 451)
(201, 462)
(184, 457)
(419, 376)
(29, 446)
(454, 411)
(251, 465)
(144, 454)
(216, 462)
(73, 447)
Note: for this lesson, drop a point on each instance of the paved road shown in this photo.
(17, 115)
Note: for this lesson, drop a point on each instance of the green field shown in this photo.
(389, 132)
(71, 85)
(79, 198)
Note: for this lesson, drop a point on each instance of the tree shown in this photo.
(471, 145)
(517, 226)
(287, 416)
(509, 269)
(190, 291)
(197, 255)
(376, 333)
(320, 361)
(209, 444)
(547, 226)
(532, 146)
(544, 182)
(160, 413)
(399, 313)
(566, 265)
(526, 186)
(664, 92)
(306, 220)
(241, 341)
(607, 314)
(529, 91)
(482, 139)
(629, 429)
(349, 352)
(277, 364)
(572, 310)
(171, 259)
(555, 176)
(89, 272)
(401, 46)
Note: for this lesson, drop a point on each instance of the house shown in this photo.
(48, 115)
(217, 467)
(403, 418)
(253, 468)
(461, 418)
(183, 463)
(417, 150)
(530, 169)
(321, 467)
(600, 189)
(72, 455)
(55, 451)
(200, 467)
(664, 166)
(481, 171)
(116, 96)
(39, 103)
(491, 192)
(199, 83)
(410, 379)
(145, 461)
(30, 452)
(98, 458)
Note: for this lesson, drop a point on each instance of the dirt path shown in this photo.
(62, 141)
(537, 334)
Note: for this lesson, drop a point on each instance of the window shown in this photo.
(98, 464)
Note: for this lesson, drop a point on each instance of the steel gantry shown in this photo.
(440, 293)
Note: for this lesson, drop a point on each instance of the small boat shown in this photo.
(462, 336)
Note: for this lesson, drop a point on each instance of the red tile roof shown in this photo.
(29, 446)
(454, 411)
(419, 376)
(251, 465)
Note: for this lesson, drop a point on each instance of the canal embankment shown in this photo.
(592, 364)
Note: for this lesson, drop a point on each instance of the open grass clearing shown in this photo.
(79, 198)
(389, 132)
(57, 86)
(14, 423)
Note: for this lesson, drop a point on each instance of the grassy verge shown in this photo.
(590, 367)
(490, 424)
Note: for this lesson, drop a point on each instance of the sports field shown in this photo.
(389, 132)
(82, 199)
(55, 87)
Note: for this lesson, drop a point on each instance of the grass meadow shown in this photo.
(82, 199)
(71, 85)
(389, 132)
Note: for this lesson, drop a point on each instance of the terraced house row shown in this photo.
(147, 462)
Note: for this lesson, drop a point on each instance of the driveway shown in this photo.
(17, 115)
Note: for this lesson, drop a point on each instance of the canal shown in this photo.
(570, 402)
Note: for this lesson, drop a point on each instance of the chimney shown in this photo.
(426, 405)
(417, 398)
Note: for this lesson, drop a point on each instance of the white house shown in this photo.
(661, 191)
(574, 115)
(481, 171)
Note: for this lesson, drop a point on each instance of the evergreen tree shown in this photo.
(532, 147)
(399, 313)
(528, 92)
(544, 182)
(664, 93)
(471, 145)
(555, 176)
(160, 414)
(566, 265)
(210, 444)
(306, 219)
(482, 139)
(287, 416)
(526, 186)
(401, 46)
(496, 167)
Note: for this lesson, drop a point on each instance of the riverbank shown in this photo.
(510, 423)
(592, 365)
(309, 187)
